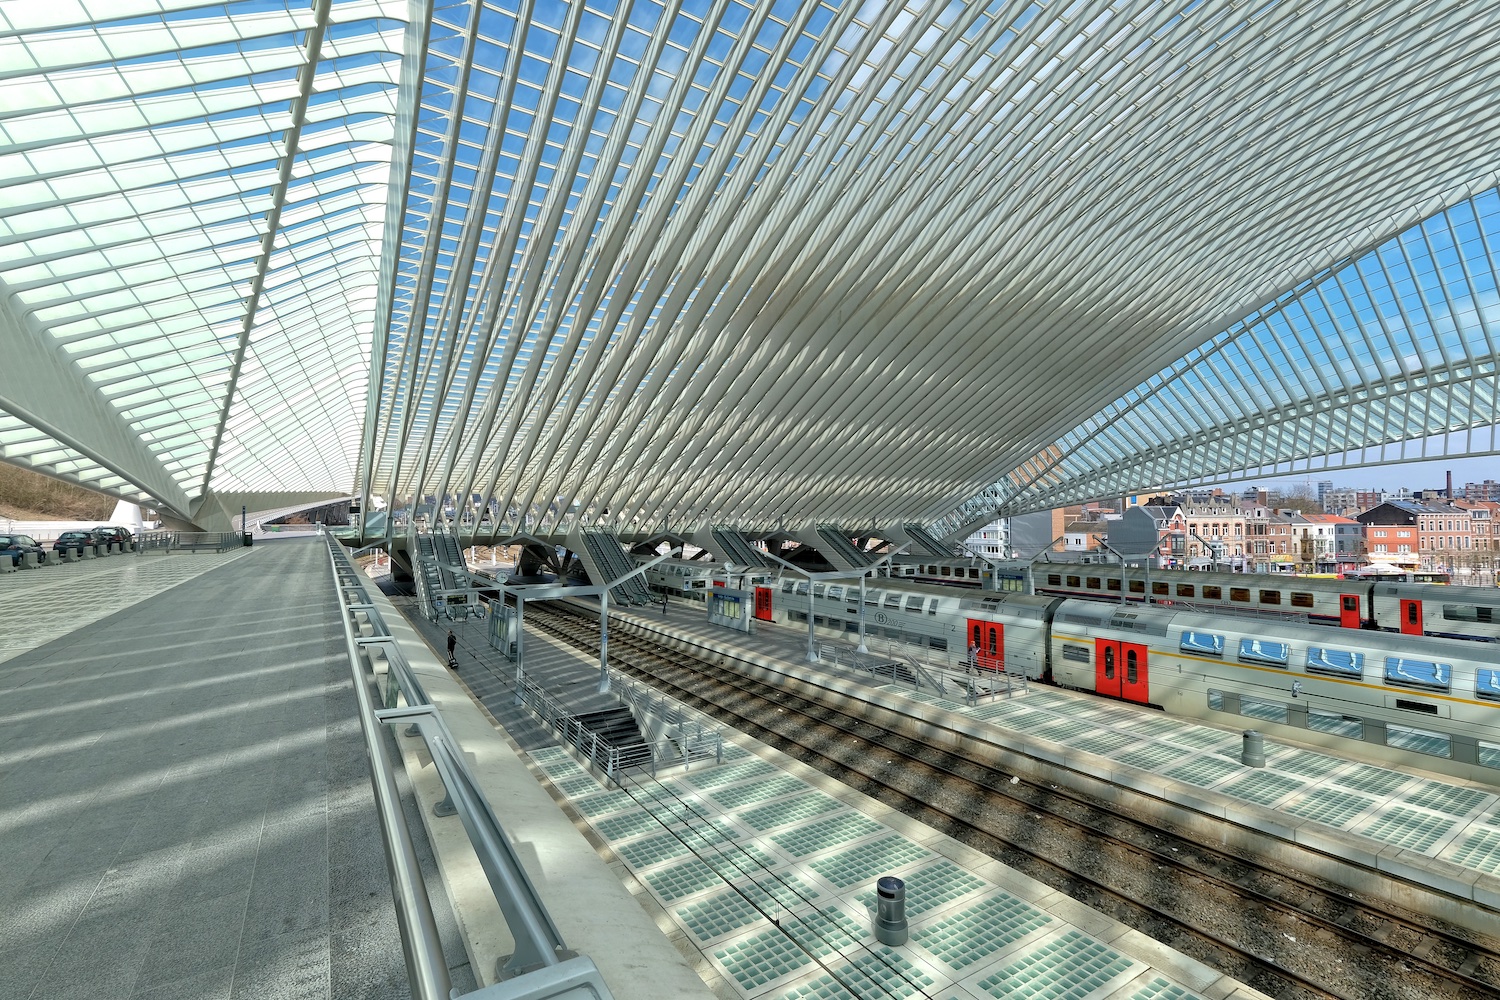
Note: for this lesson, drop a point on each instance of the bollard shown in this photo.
(890, 911)
(1254, 752)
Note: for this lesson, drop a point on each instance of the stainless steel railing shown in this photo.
(541, 964)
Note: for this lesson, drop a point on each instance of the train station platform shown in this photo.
(184, 799)
(1428, 840)
(766, 869)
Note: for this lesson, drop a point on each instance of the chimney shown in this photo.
(1450, 484)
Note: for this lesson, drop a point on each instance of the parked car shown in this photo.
(72, 540)
(16, 546)
(105, 534)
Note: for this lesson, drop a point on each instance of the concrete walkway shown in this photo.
(184, 800)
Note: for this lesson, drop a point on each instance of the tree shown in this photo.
(1300, 498)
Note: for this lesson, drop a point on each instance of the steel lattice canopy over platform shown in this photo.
(757, 262)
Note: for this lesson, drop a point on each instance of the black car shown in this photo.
(16, 546)
(104, 535)
(72, 540)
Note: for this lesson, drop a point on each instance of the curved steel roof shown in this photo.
(751, 261)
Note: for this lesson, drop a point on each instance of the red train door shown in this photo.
(989, 637)
(1349, 610)
(1120, 670)
(763, 603)
(1107, 667)
(1133, 683)
(1411, 617)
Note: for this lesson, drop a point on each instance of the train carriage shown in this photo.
(1428, 609)
(1321, 601)
(1403, 698)
(1427, 701)
(1010, 629)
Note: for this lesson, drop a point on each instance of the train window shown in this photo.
(1335, 661)
(973, 573)
(1211, 593)
(1080, 654)
(1264, 651)
(1419, 741)
(1185, 590)
(914, 604)
(1300, 600)
(1349, 602)
(802, 588)
(937, 643)
(1270, 597)
(1413, 610)
(1487, 683)
(819, 590)
(1417, 673)
(1109, 663)
(1416, 706)
(1489, 754)
(1160, 588)
(893, 601)
(1113, 583)
(1201, 642)
(787, 585)
(1137, 586)
(1130, 666)
(1074, 581)
(1241, 594)
(1470, 613)
(1336, 724)
(837, 593)
(932, 610)
(1054, 579)
(1266, 711)
(1216, 700)
(1092, 583)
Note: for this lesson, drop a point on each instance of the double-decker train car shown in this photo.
(939, 618)
(955, 572)
(1426, 701)
(1413, 699)
(692, 578)
(1409, 607)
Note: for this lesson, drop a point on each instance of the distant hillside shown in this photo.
(30, 496)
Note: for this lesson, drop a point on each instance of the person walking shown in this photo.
(973, 658)
(452, 641)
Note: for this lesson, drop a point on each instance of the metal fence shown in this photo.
(614, 761)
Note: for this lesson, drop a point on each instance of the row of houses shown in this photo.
(1460, 537)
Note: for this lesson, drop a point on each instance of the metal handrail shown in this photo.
(539, 948)
(425, 967)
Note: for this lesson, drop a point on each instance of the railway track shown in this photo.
(1274, 929)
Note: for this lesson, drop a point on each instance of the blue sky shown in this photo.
(1413, 475)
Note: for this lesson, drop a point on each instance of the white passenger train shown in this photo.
(1423, 701)
(692, 578)
(1410, 607)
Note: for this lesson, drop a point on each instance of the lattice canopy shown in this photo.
(765, 262)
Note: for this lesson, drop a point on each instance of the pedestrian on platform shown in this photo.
(452, 641)
(973, 658)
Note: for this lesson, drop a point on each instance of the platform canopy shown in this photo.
(757, 262)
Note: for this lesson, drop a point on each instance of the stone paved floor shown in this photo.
(184, 799)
